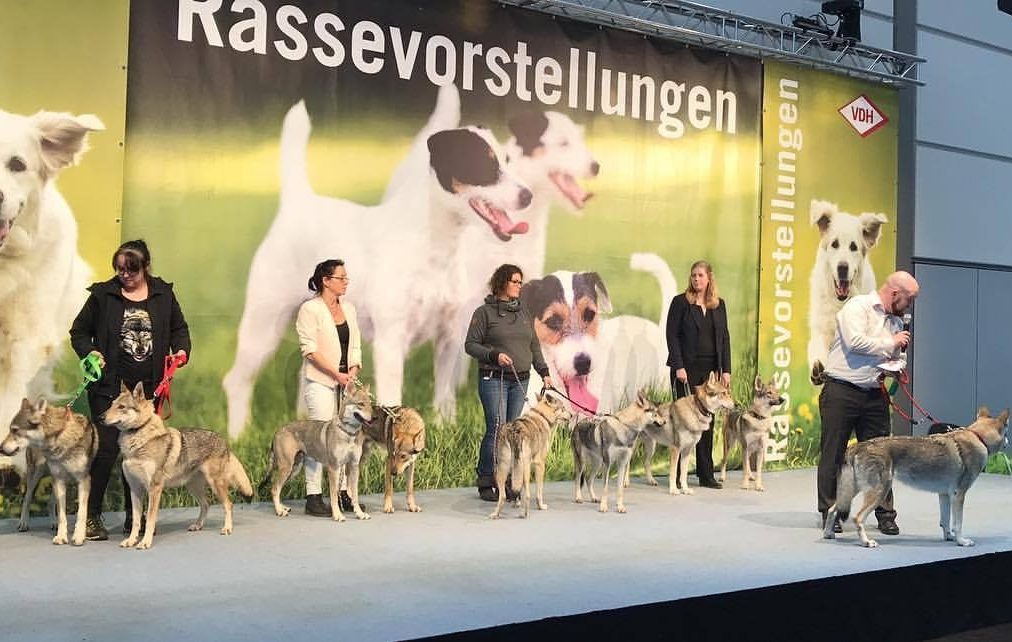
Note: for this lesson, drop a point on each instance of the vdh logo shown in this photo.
(863, 115)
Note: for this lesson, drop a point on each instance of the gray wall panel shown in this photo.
(994, 339)
(945, 344)
(964, 103)
(977, 19)
(962, 206)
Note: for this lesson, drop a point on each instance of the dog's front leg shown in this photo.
(154, 499)
(623, 468)
(674, 454)
(388, 486)
(945, 516)
(957, 518)
(35, 474)
(683, 460)
(334, 475)
(412, 504)
(760, 462)
(81, 527)
(60, 493)
(746, 468)
(135, 515)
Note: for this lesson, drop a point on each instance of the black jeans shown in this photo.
(108, 452)
(846, 409)
(697, 371)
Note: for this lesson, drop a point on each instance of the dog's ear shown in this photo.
(591, 285)
(139, 391)
(123, 388)
(418, 443)
(821, 214)
(641, 400)
(462, 156)
(528, 129)
(758, 382)
(871, 227)
(983, 412)
(63, 137)
(712, 379)
(41, 405)
(1003, 417)
(25, 404)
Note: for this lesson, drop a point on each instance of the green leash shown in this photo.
(91, 371)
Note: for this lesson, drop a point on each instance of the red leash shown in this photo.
(164, 389)
(903, 386)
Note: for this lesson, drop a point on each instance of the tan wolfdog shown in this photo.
(67, 443)
(401, 432)
(602, 441)
(946, 464)
(523, 442)
(156, 457)
(688, 418)
(750, 428)
(337, 444)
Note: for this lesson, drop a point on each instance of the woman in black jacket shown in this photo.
(698, 344)
(131, 322)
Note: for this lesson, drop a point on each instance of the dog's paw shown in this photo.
(226, 530)
(144, 544)
(870, 543)
(129, 542)
(494, 515)
(964, 541)
(22, 527)
(414, 508)
(339, 517)
(760, 488)
(620, 508)
(59, 540)
(282, 511)
(688, 491)
(362, 516)
(542, 506)
(745, 485)
(651, 481)
(674, 491)
(195, 526)
(602, 507)
(388, 505)
(78, 538)
(577, 500)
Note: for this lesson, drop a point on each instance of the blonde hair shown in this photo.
(711, 298)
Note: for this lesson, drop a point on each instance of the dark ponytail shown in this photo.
(323, 268)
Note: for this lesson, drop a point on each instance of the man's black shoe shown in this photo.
(346, 504)
(710, 483)
(488, 493)
(94, 530)
(888, 526)
(316, 507)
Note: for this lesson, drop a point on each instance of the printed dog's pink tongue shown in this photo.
(577, 391)
(497, 219)
(568, 186)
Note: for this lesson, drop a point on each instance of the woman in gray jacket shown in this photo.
(501, 338)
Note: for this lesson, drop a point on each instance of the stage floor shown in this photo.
(450, 568)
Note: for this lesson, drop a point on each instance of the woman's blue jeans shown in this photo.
(493, 391)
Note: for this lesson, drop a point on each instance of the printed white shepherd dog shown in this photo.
(42, 277)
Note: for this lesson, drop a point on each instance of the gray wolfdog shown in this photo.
(156, 457)
(337, 444)
(688, 418)
(525, 441)
(67, 442)
(750, 428)
(946, 464)
(602, 441)
(401, 432)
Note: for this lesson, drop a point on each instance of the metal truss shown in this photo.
(698, 24)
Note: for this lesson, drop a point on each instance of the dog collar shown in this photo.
(543, 415)
(701, 407)
(981, 439)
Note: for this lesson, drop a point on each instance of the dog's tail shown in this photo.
(445, 115)
(238, 477)
(846, 485)
(294, 141)
(658, 267)
(265, 483)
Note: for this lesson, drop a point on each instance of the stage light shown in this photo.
(813, 25)
(849, 12)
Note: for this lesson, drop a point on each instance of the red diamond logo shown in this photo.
(863, 115)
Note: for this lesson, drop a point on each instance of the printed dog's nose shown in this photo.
(581, 363)
(595, 167)
(842, 271)
(525, 197)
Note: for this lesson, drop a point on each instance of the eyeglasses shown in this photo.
(126, 271)
(339, 278)
(517, 281)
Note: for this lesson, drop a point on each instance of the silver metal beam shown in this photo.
(697, 24)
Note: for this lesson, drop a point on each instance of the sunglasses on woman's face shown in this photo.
(123, 270)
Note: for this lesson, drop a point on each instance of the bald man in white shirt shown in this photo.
(869, 333)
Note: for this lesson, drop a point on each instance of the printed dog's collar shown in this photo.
(756, 414)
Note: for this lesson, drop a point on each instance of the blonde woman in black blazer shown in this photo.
(699, 343)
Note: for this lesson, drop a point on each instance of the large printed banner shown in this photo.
(828, 227)
(267, 136)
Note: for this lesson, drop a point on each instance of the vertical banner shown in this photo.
(64, 81)
(828, 228)
(266, 138)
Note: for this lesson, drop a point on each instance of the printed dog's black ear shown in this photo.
(528, 129)
(461, 155)
(538, 294)
(871, 227)
(590, 284)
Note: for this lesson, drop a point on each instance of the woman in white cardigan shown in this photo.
(331, 358)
